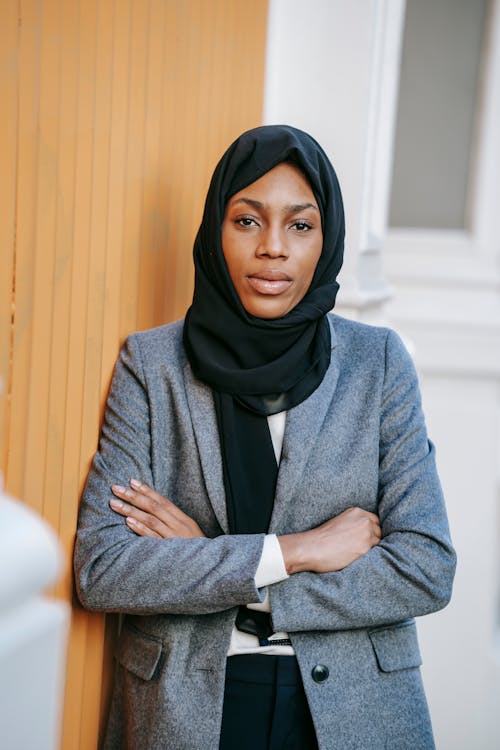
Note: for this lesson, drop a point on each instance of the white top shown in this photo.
(271, 568)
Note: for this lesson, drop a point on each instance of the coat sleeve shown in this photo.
(117, 571)
(411, 571)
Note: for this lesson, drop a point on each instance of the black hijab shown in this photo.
(257, 366)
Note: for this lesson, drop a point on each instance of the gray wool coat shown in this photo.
(358, 440)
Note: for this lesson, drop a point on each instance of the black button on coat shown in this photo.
(320, 673)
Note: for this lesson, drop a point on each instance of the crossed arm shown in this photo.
(327, 548)
(366, 579)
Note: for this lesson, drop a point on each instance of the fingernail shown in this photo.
(131, 521)
(118, 488)
(135, 483)
(116, 503)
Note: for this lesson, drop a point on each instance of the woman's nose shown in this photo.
(273, 243)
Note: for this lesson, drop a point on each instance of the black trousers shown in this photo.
(265, 707)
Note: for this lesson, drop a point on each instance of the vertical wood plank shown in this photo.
(61, 271)
(9, 84)
(116, 220)
(41, 322)
(25, 233)
(81, 39)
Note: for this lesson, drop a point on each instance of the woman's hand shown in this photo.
(333, 545)
(148, 513)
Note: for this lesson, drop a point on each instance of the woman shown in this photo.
(266, 453)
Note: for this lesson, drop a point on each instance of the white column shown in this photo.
(32, 631)
(333, 70)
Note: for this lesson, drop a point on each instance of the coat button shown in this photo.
(320, 673)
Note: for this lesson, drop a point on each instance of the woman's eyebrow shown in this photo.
(248, 202)
(297, 207)
(291, 208)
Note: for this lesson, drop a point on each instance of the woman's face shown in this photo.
(272, 240)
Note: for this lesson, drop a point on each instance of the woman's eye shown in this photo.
(246, 221)
(302, 226)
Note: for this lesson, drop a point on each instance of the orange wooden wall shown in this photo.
(112, 116)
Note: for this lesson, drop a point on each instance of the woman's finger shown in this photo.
(141, 502)
(178, 523)
(140, 529)
(144, 497)
(137, 516)
(154, 511)
(150, 496)
(157, 503)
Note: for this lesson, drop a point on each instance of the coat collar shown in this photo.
(303, 424)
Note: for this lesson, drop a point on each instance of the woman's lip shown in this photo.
(269, 282)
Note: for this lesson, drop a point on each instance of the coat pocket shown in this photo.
(141, 654)
(396, 646)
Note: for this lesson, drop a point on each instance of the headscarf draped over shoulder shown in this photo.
(268, 365)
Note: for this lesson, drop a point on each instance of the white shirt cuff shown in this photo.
(271, 568)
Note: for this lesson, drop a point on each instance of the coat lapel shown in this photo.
(204, 419)
(303, 424)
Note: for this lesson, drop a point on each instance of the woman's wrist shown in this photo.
(293, 549)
